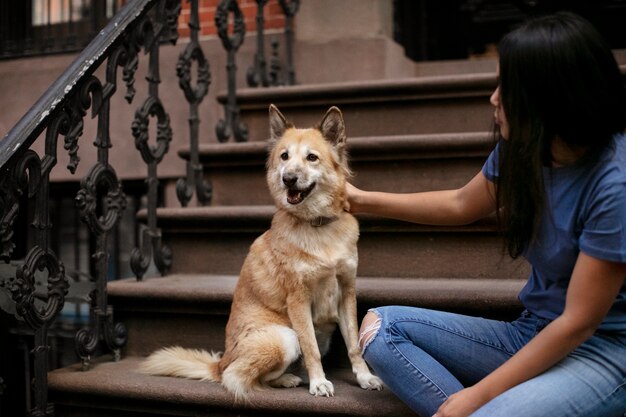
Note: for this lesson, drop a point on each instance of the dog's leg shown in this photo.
(261, 358)
(299, 311)
(277, 378)
(349, 330)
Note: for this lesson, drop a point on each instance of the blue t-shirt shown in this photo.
(585, 210)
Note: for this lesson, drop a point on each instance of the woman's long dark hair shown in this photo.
(558, 77)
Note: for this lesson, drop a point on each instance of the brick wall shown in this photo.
(274, 17)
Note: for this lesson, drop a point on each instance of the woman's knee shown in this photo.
(369, 329)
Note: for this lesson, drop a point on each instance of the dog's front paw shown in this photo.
(369, 381)
(321, 387)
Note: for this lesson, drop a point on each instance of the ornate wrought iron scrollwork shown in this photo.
(231, 125)
(150, 33)
(23, 178)
(23, 287)
(101, 202)
(30, 174)
(171, 12)
(114, 334)
(26, 177)
(151, 237)
(193, 52)
(130, 59)
(100, 220)
(114, 202)
(88, 95)
(194, 95)
(152, 107)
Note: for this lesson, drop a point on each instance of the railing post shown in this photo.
(257, 73)
(150, 35)
(193, 52)
(231, 125)
(290, 8)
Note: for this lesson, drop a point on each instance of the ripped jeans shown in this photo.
(424, 356)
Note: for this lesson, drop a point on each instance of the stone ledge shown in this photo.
(208, 292)
(257, 218)
(118, 386)
(375, 148)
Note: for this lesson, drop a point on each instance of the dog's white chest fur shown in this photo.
(328, 254)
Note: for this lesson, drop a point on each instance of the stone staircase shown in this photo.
(404, 135)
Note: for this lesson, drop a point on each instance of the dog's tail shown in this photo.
(183, 363)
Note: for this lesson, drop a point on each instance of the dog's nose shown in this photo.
(290, 179)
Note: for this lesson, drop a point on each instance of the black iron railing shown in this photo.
(39, 283)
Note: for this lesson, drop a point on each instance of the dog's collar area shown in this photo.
(322, 221)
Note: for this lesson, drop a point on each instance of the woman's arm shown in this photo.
(465, 205)
(592, 290)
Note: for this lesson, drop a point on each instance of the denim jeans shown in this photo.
(424, 356)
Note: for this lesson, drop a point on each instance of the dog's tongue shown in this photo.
(294, 196)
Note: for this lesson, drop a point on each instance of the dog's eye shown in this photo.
(284, 156)
(312, 157)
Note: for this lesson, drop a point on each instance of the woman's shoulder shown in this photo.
(617, 151)
(610, 170)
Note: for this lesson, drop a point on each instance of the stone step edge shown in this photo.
(210, 293)
(370, 91)
(257, 218)
(119, 385)
(375, 148)
(454, 85)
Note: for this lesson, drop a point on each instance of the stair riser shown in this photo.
(247, 186)
(405, 254)
(152, 330)
(469, 114)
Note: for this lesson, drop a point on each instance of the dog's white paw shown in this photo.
(286, 381)
(321, 388)
(369, 381)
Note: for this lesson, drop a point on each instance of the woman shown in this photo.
(557, 180)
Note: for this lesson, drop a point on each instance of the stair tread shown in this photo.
(212, 290)
(122, 383)
(408, 146)
(365, 88)
(258, 218)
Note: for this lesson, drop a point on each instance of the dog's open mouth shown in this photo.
(295, 196)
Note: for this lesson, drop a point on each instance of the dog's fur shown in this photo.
(298, 280)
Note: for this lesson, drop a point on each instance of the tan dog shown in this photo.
(298, 281)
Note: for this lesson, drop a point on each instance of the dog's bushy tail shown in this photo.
(183, 363)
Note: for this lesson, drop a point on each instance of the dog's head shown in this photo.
(307, 168)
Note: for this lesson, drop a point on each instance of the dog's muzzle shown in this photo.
(295, 195)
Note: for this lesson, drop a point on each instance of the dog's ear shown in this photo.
(333, 128)
(278, 123)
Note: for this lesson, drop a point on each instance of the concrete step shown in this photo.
(432, 104)
(215, 240)
(117, 389)
(192, 310)
(404, 163)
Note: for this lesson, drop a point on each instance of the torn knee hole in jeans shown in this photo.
(368, 330)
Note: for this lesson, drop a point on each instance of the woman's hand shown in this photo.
(352, 197)
(462, 404)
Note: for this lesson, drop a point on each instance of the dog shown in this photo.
(298, 280)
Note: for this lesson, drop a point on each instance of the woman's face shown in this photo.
(499, 116)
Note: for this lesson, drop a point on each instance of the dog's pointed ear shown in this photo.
(278, 123)
(333, 127)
